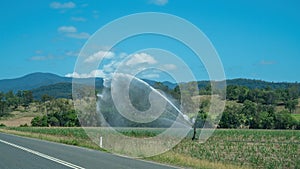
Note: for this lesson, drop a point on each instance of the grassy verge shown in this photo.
(226, 149)
(186, 161)
(69, 139)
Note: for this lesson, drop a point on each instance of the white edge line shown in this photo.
(43, 155)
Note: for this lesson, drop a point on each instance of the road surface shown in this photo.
(21, 153)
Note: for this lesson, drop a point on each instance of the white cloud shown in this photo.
(264, 62)
(123, 55)
(169, 66)
(140, 58)
(99, 55)
(78, 19)
(67, 29)
(71, 32)
(72, 53)
(38, 52)
(97, 73)
(41, 58)
(111, 66)
(92, 74)
(159, 2)
(150, 76)
(81, 35)
(95, 14)
(66, 5)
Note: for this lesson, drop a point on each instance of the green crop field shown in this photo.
(226, 148)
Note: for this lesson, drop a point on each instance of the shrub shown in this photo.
(24, 125)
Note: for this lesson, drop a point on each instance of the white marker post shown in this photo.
(100, 142)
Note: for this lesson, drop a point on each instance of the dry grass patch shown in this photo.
(190, 162)
(17, 121)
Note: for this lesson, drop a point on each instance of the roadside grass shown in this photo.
(226, 149)
(66, 137)
(185, 161)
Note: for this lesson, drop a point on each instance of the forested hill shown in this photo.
(35, 81)
(61, 87)
(58, 90)
(253, 84)
(31, 81)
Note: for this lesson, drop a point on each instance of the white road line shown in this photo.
(44, 155)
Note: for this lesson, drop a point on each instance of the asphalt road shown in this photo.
(21, 153)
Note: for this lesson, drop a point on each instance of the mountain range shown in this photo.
(57, 86)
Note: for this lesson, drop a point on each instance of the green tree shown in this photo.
(200, 119)
(249, 111)
(25, 97)
(176, 93)
(293, 92)
(270, 97)
(3, 105)
(53, 121)
(284, 120)
(230, 117)
(266, 120)
(291, 105)
(12, 100)
(39, 121)
(46, 97)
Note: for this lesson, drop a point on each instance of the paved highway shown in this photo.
(21, 153)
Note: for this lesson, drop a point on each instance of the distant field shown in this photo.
(16, 121)
(21, 116)
(296, 116)
(225, 149)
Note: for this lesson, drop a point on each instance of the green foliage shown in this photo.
(284, 120)
(3, 105)
(255, 107)
(39, 121)
(291, 105)
(201, 118)
(24, 125)
(266, 96)
(256, 116)
(53, 121)
(231, 117)
(46, 97)
(63, 119)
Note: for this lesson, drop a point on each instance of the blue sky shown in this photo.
(254, 39)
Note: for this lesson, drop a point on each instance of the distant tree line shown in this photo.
(268, 96)
(58, 112)
(257, 108)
